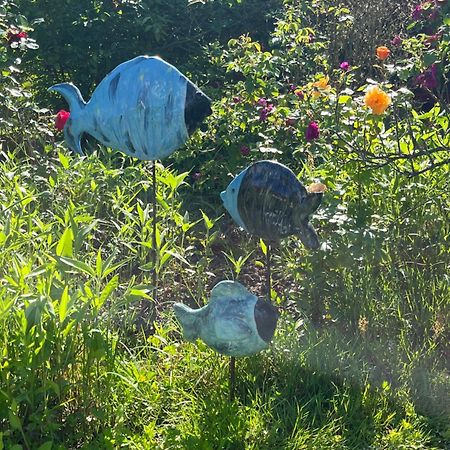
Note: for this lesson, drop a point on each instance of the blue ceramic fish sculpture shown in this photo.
(267, 200)
(234, 323)
(145, 108)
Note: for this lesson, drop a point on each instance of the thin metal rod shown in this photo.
(232, 382)
(268, 273)
(154, 252)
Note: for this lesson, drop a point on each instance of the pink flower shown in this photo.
(196, 176)
(312, 131)
(396, 40)
(245, 151)
(61, 119)
(262, 102)
(237, 100)
(345, 65)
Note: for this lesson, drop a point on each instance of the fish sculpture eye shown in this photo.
(145, 108)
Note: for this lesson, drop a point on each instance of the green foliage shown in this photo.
(82, 41)
(21, 120)
(90, 357)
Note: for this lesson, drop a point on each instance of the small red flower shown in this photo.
(61, 119)
(345, 65)
(15, 35)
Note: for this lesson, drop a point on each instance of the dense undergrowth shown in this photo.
(90, 359)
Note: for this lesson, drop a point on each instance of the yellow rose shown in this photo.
(322, 84)
(377, 100)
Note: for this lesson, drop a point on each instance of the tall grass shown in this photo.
(360, 359)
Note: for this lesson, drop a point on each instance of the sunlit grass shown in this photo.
(359, 359)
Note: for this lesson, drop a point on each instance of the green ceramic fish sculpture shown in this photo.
(234, 323)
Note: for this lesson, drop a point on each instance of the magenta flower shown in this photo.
(417, 12)
(312, 131)
(61, 119)
(245, 151)
(262, 102)
(396, 40)
(428, 79)
(196, 176)
(265, 112)
(345, 65)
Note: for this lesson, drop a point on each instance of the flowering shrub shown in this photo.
(21, 120)
(286, 102)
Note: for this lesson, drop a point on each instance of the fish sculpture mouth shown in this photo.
(266, 318)
(197, 108)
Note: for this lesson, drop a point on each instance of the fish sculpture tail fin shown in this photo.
(188, 320)
(306, 231)
(73, 128)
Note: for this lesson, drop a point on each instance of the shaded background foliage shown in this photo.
(82, 41)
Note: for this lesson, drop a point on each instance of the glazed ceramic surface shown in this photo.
(234, 323)
(145, 108)
(267, 200)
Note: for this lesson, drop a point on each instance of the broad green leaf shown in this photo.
(99, 263)
(79, 265)
(65, 244)
(208, 222)
(64, 160)
(263, 246)
(112, 284)
(65, 304)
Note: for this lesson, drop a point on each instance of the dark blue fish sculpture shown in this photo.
(234, 323)
(145, 108)
(267, 200)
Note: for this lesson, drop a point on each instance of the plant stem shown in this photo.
(268, 273)
(154, 218)
(232, 384)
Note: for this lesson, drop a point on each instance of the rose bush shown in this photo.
(22, 121)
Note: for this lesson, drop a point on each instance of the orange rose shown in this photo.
(383, 53)
(377, 100)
